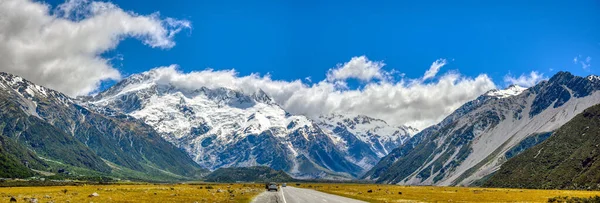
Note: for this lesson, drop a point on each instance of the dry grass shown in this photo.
(395, 193)
(136, 193)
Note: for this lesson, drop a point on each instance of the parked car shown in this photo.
(272, 186)
(283, 185)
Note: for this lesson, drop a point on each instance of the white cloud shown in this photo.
(434, 68)
(587, 63)
(61, 48)
(525, 80)
(418, 104)
(584, 62)
(358, 68)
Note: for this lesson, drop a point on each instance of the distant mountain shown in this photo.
(221, 127)
(248, 174)
(480, 136)
(364, 139)
(54, 127)
(569, 159)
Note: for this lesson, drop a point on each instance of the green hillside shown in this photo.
(569, 159)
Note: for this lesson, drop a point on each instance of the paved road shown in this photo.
(300, 195)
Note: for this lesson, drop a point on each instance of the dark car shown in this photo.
(271, 186)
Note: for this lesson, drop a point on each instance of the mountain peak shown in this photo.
(511, 90)
(262, 96)
(149, 83)
(562, 76)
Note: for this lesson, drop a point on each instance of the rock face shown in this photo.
(221, 127)
(57, 128)
(566, 160)
(477, 139)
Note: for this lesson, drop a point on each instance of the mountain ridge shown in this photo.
(470, 145)
(566, 160)
(118, 140)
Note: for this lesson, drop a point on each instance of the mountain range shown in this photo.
(146, 128)
(222, 127)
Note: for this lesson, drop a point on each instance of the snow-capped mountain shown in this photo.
(222, 127)
(366, 140)
(58, 129)
(476, 139)
(512, 90)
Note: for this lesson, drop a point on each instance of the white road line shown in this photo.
(282, 195)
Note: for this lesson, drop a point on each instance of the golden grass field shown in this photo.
(390, 193)
(135, 193)
(245, 192)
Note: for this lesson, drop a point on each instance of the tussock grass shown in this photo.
(396, 193)
(197, 192)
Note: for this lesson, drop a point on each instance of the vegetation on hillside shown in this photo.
(248, 174)
(25, 131)
(44, 132)
(569, 159)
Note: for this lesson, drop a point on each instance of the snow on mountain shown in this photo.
(221, 127)
(366, 127)
(60, 129)
(375, 136)
(593, 78)
(512, 90)
(29, 91)
(479, 137)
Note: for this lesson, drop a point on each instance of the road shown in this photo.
(300, 195)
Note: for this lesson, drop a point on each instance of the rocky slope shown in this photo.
(53, 126)
(473, 142)
(221, 127)
(566, 160)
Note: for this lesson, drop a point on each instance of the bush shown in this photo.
(567, 199)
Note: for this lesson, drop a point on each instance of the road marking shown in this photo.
(283, 195)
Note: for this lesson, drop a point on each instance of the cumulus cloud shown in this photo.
(525, 80)
(61, 48)
(434, 68)
(360, 68)
(417, 104)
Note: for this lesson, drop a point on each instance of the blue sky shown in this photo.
(297, 39)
